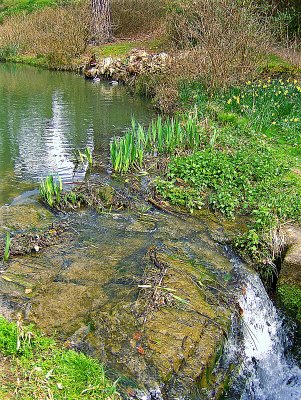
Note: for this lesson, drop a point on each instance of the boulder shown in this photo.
(289, 283)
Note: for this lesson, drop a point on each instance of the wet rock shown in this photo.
(142, 225)
(23, 217)
(159, 319)
(33, 241)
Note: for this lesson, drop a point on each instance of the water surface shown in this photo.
(46, 115)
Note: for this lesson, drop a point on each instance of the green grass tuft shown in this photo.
(35, 367)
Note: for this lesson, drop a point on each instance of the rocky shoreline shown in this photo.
(127, 69)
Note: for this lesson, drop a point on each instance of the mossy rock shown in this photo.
(290, 298)
(24, 217)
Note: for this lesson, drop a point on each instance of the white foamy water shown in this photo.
(267, 373)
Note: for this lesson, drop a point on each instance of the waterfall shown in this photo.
(260, 341)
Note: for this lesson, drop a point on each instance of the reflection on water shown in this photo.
(45, 116)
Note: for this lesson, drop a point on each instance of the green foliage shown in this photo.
(244, 182)
(272, 107)
(290, 297)
(250, 161)
(7, 247)
(50, 191)
(8, 51)
(179, 195)
(161, 137)
(82, 157)
(12, 7)
(43, 369)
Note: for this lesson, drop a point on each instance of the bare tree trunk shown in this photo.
(101, 26)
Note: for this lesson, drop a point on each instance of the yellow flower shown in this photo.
(295, 81)
(249, 83)
(296, 119)
(273, 123)
(229, 101)
(264, 86)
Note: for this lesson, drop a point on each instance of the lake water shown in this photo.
(46, 115)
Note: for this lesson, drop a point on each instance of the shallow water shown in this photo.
(46, 115)
(85, 289)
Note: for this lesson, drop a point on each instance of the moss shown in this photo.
(290, 297)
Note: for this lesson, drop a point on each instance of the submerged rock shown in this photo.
(149, 297)
(23, 217)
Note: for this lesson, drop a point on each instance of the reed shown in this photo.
(7, 247)
(83, 157)
(50, 190)
(162, 137)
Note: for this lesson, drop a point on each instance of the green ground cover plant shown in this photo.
(39, 368)
(249, 167)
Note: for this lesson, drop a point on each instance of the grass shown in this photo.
(80, 158)
(122, 48)
(12, 7)
(35, 367)
(51, 192)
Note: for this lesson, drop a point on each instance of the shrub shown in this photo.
(224, 38)
(132, 17)
(60, 34)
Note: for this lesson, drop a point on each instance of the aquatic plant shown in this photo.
(161, 137)
(82, 157)
(7, 247)
(50, 190)
(89, 157)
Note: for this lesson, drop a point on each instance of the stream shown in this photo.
(86, 289)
